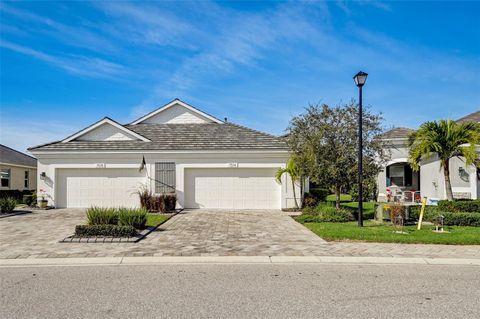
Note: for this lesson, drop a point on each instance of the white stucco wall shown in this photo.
(432, 182)
(50, 163)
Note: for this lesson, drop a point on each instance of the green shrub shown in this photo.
(7, 205)
(461, 219)
(15, 194)
(30, 200)
(132, 217)
(102, 216)
(105, 231)
(460, 206)
(309, 200)
(319, 193)
(331, 214)
(309, 218)
(325, 213)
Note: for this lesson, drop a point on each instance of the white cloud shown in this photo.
(78, 65)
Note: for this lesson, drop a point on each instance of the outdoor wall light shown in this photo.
(43, 175)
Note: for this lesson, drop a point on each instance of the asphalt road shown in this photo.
(241, 291)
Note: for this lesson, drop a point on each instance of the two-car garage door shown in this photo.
(107, 187)
(228, 188)
(239, 188)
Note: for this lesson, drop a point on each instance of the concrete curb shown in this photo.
(109, 261)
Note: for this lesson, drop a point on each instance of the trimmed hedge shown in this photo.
(15, 194)
(105, 231)
(460, 206)
(7, 205)
(461, 219)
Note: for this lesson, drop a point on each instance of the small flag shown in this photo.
(143, 164)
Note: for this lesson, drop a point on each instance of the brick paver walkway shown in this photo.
(199, 233)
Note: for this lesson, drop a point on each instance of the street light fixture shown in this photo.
(360, 78)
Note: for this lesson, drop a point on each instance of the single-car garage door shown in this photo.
(239, 188)
(112, 187)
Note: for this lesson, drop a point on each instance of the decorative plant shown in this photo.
(292, 171)
(446, 139)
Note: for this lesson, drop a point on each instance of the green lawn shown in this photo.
(343, 198)
(373, 232)
(155, 219)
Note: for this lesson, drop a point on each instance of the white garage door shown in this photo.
(112, 187)
(239, 188)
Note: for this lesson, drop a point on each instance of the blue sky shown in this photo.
(65, 65)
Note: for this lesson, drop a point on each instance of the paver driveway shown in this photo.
(191, 233)
(200, 233)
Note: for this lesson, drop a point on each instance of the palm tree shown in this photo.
(292, 170)
(446, 139)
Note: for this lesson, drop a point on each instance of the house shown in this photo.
(398, 177)
(207, 162)
(18, 171)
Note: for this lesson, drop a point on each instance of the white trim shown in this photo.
(16, 165)
(163, 152)
(101, 122)
(169, 105)
(397, 160)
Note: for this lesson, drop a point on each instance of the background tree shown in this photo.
(325, 138)
(292, 170)
(446, 139)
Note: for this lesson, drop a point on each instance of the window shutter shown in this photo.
(164, 178)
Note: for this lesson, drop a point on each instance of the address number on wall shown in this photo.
(232, 164)
(101, 165)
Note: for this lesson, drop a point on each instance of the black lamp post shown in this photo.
(360, 78)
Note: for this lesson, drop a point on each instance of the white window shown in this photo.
(26, 181)
(5, 177)
(397, 175)
(164, 178)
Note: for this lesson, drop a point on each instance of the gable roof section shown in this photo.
(105, 120)
(181, 137)
(397, 133)
(473, 117)
(173, 103)
(10, 156)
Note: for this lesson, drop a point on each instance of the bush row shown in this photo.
(450, 219)
(16, 194)
(105, 231)
(460, 206)
(163, 203)
(7, 205)
(136, 218)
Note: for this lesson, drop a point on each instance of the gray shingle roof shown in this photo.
(211, 136)
(10, 156)
(398, 132)
(473, 117)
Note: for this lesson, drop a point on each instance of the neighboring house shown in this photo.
(18, 171)
(398, 176)
(207, 162)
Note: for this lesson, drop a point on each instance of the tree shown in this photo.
(446, 139)
(292, 170)
(325, 138)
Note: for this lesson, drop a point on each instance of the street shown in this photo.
(241, 291)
